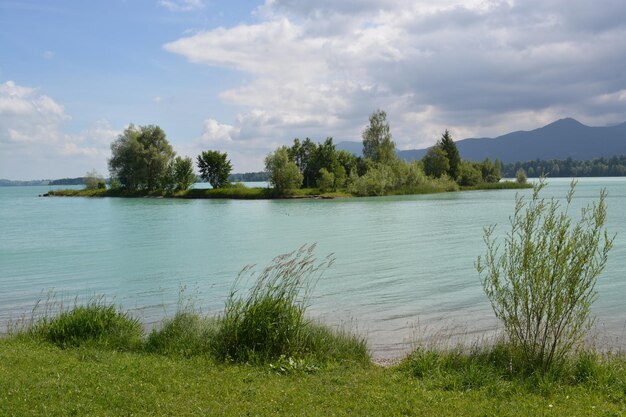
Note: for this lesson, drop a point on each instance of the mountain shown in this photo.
(565, 138)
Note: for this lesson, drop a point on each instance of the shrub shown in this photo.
(326, 180)
(542, 285)
(520, 176)
(94, 323)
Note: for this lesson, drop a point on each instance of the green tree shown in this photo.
(490, 170)
(94, 181)
(541, 286)
(469, 174)
(377, 142)
(182, 171)
(303, 154)
(436, 162)
(283, 172)
(454, 159)
(214, 168)
(140, 158)
(326, 180)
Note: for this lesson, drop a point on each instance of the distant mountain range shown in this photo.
(565, 138)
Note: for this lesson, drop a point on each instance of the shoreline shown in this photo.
(241, 193)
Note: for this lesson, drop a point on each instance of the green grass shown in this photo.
(246, 193)
(40, 379)
(268, 320)
(503, 185)
(95, 323)
(238, 193)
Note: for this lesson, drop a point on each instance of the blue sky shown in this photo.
(247, 76)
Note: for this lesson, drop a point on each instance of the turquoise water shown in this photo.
(404, 264)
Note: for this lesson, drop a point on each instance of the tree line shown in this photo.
(601, 167)
(142, 160)
(379, 171)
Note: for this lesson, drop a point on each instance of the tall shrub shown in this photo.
(542, 284)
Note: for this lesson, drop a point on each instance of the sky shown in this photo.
(245, 77)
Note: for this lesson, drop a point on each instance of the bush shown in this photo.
(469, 174)
(542, 285)
(94, 323)
(520, 176)
(326, 180)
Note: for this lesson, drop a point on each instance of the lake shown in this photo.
(404, 265)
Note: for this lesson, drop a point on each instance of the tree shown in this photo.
(454, 160)
(542, 285)
(436, 162)
(326, 180)
(377, 142)
(469, 174)
(214, 168)
(182, 171)
(140, 158)
(520, 176)
(94, 181)
(284, 173)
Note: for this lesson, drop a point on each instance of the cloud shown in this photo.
(48, 55)
(33, 137)
(182, 5)
(476, 67)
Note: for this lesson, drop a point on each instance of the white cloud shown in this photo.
(475, 67)
(48, 55)
(182, 5)
(33, 137)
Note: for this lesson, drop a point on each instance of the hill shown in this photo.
(563, 139)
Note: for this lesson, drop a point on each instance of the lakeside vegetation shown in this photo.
(143, 163)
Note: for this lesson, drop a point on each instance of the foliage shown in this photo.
(214, 168)
(614, 166)
(94, 181)
(304, 155)
(452, 153)
(269, 320)
(249, 177)
(520, 176)
(491, 170)
(469, 174)
(436, 162)
(182, 172)
(541, 286)
(140, 158)
(377, 142)
(94, 323)
(377, 180)
(284, 174)
(326, 180)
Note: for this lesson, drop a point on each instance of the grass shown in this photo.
(40, 379)
(238, 193)
(268, 321)
(96, 323)
(503, 185)
(246, 193)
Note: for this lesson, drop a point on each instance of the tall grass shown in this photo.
(268, 321)
(95, 323)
